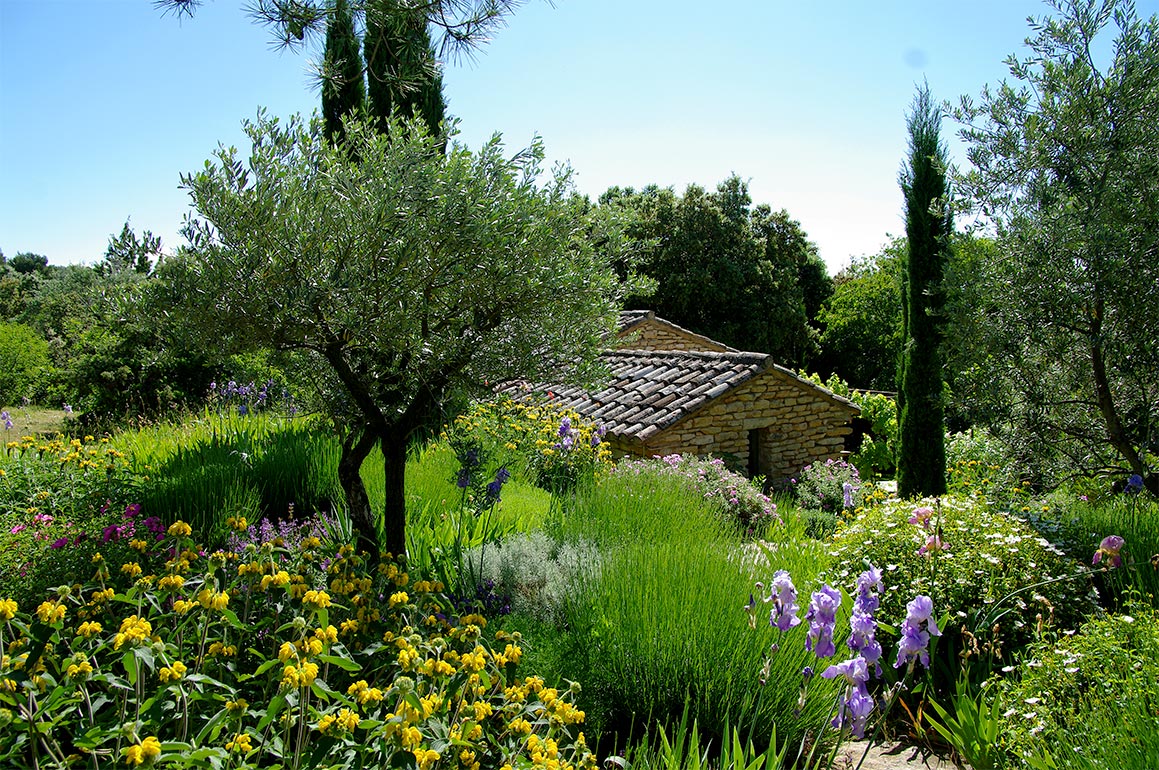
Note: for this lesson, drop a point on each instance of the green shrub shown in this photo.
(263, 658)
(1078, 524)
(976, 465)
(877, 456)
(991, 573)
(23, 359)
(1088, 700)
(831, 486)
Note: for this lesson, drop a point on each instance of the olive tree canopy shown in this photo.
(397, 272)
(1066, 167)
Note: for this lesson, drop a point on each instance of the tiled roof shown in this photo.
(650, 390)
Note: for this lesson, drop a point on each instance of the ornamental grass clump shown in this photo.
(270, 657)
(998, 579)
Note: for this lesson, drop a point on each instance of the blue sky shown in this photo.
(104, 103)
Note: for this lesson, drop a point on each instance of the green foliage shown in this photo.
(129, 252)
(205, 470)
(993, 575)
(399, 274)
(1079, 522)
(403, 77)
(23, 360)
(876, 457)
(861, 321)
(748, 277)
(921, 462)
(822, 486)
(738, 501)
(27, 263)
(1087, 700)
(1063, 166)
(970, 725)
(262, 657)
(343, 89)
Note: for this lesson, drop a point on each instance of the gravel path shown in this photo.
(887, 757)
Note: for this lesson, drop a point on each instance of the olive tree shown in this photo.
(397, 273)
(1066, 168)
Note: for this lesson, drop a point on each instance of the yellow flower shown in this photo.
(398, 598)
(320, 599)
(240, 743)
(133, 629)
(171, 583)
(81, 670)
(411, 738)
(180, 529)
(89, 629)
(216, 600)
(138, 545)
(426, 758)
(172, 673)
(51, 612)
(132, 569)
(308, 673)
(103, 596)
(7, 609)
(145, 751)
(236, 707)
(181, 606)
(327, 634)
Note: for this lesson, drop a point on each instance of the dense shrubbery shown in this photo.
(992, 574)
(300, 657)
(23, 360)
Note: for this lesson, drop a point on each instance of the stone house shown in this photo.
(674, 391)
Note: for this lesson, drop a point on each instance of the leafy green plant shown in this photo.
(971, 727)
(831, 486)
(997, 577)
(279, 654)
(23, 359)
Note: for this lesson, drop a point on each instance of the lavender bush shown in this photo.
(736, 499)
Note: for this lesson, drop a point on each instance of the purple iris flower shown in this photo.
(847, 490)
(916, 630)
(564, 426)
(856, 702)
(822, 617)
(1110, 548)
(784, 598)
(1134, 483)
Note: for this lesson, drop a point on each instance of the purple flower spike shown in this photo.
(822, 617)
(784, 599)
(916, 631)
(856, 702)
(1110, 548)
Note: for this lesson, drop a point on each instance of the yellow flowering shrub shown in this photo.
(339, 676)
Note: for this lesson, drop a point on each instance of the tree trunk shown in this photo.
(1106, 402)
(393, 445)
(355, 448)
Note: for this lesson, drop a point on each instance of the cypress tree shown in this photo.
(402, 77)
(921, 462)
(343, 91)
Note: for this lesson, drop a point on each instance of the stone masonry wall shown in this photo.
(797, 426)
(651, 334)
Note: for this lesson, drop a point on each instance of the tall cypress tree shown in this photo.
(343, 91)
(921, 462)
(402, 76)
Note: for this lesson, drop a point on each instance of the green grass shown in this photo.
(34, 421)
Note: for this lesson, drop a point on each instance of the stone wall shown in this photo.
(797, 425)
(655, 334)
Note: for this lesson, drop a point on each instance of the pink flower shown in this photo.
(60, 543)
(933, 543)
(1110, 548)
(922, 517)
(18, 529)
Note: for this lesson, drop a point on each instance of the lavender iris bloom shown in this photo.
(856, 702)
(916, 630)
(822, 617)
(784, 599)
